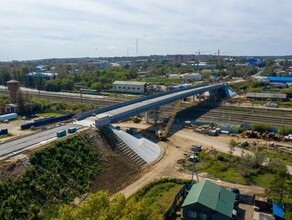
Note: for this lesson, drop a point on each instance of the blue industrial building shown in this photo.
(41, 75)
(279, 79)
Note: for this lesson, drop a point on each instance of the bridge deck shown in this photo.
(128, 111)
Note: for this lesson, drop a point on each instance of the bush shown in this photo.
(220, 157)
(262, 127)
(287, 130)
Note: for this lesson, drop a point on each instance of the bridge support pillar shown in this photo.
(146, 116)
(200, 97)
(155, 115)
(193, 98)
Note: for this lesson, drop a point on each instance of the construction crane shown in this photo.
(218, 53)
(162, 133)
(199, 52)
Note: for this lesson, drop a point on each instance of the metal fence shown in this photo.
(47, 121)
(181, 192)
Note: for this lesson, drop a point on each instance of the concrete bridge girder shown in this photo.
(122, 111)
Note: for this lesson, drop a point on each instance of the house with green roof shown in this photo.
(208, 201)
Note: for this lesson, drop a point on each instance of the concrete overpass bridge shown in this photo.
(121, 111)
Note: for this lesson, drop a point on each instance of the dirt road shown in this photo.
(178, 144)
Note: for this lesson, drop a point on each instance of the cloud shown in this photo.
(74, 28)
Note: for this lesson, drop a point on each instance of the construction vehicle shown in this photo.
(136, 119)
(162, 133)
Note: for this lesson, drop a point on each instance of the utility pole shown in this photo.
(194, 169)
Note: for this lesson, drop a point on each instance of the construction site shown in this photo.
(152, 137)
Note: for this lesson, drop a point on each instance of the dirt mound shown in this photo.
(12, 169)
(118, 170)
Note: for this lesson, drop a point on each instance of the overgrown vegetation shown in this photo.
(275, 154)
(262, 126)
(280, 187)
(247, 86)
(100, 206)
(150, 202)
(286, 130)
(160, 193)
(57, 175)
(248, 169)
(244, 170)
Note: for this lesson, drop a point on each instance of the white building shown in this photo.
(193, 76)
(129, 87)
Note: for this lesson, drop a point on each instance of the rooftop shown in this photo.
(132, 83)
(12, 81)
(266, 95)
(278, 211)
(212, 196)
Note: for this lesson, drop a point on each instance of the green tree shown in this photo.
(20, 101)
(280, 188)
(232, 144)
(262, 126)
(99, 206)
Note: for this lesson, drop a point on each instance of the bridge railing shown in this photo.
(136, 111)
(83, 115)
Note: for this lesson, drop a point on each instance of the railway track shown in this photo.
(72, 98)
(207, 112)
(235, 115)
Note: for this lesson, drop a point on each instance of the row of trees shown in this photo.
(100, 205)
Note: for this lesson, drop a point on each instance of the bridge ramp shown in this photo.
(145, 148)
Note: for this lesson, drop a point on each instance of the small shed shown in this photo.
(265, 96)
(206, 200)
(261, 203)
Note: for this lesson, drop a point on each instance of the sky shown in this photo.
(37, 29)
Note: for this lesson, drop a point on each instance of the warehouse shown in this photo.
(265, 96)
(129, 87)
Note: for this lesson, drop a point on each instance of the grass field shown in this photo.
(161, 192)
(230, 168)
(278, 154)
(6, 135)
(49, 114)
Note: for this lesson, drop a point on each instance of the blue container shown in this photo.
(4, 131)
(72, 130)
(61, 133)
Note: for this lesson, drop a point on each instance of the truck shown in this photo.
(61, 133)
(72, 130)
(8, 117)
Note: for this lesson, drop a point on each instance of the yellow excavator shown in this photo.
(162, 133)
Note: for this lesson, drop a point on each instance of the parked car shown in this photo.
(271, 105)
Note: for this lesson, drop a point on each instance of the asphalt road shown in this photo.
(38, 138)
